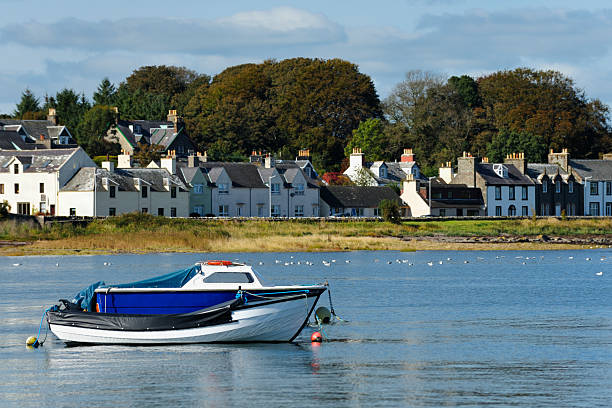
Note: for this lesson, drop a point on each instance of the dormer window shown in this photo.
(137, 129)
(382, 172)
(16, 168)
(500, 170)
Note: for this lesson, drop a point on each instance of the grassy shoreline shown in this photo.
(138, 233)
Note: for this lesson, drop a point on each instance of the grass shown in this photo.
(141, 233)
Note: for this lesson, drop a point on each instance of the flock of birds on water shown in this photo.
(327, 263)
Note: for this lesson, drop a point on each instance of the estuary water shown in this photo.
(442, 328)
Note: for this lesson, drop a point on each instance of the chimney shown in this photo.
(52, 116)
(124, 160)
(304, 154)
(269, 161)
(517, 160)
(560, 159)
(204, 157)
(168, 163)
(193, 160)
(445, 172)
(115, 111)
(357, 160)
(255, 157)
(408, 156)
(607, 156)
(466, 169)
(108, 165)
(174, 118)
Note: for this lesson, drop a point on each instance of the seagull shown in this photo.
(57, 264)
(588, 259)
(465, 262)
(571, 257)
(347, 261)
(389, 262)
(440, 262)
(599, 273)
(16, 264)
(430, 263)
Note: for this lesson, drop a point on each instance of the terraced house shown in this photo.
(18, 134)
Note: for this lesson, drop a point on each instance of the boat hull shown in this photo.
(278, 320)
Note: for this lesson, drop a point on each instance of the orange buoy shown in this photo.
(316, 337)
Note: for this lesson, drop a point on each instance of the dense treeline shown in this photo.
(330, 107)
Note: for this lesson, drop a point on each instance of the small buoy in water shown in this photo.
(323, 315)
(32, 342)
(316, 337)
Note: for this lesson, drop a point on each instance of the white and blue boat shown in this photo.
(212, 301)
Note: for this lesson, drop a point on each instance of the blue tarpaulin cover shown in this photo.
(177, 279)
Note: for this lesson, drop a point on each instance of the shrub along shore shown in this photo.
(142, 233)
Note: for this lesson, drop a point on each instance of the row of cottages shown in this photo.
(18, 134)
(171, 134)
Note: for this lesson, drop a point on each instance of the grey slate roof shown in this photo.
(123, 178)
(152, 131)
(537, 170)
(492, 179)
(10, 140)
(43, 160)
(597, 170)
(188, 173)
(356, 196)
(35, 128)
(243, 175)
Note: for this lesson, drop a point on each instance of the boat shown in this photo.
(212, 301)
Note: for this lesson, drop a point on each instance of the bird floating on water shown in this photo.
(599, 273)
(430, 263)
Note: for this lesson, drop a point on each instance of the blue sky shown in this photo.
(47, 46)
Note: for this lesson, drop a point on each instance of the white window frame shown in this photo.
(275, 210)
(198, 188)
(223, 210)
(299, 189)
(223, 188)
(298, 211)
(275, 188)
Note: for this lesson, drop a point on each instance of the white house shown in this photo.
(113, 191)
(381, 173)
(30, 180)
(596, 179)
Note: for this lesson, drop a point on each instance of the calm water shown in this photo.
(501, 330)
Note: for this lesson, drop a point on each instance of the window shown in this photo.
(557, 209)
(229, 277)
(16, 188)
(198, 210)
(608, 209)
(545, 186)
(173, 192)
(260, 211)
(275, 188)
(315, 210)
(223, 188)
(472, 213)
(41, 188)
(594, 188)
(143, 191)
(512, 211)
(498, 192)
(570, 186)
(42, 207)
(382, 172)
(73, 212)
(594, 209)
(239, 211)
(1, 188)
(557, 186)
(144, 210)
(16, 168)
(23, 208)
(160, 212)
(511, 192)
(498, 212)
(299, 211)
(299, 189)
(112, 211)
(525, 211)
(608, 187)
(525, 192)
(442, 212)
(112, 191)
(173, 211)
(198, 188)
(223, 211)
(377, 212)
(276, 210)
(546, 209)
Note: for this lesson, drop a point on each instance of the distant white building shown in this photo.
(30, 180)
(381, 173)
(110, 191)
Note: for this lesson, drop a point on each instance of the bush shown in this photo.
(390, 211)
(4, 208)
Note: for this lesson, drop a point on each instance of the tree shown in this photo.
(93, 128)
(370, 138)
(390, 211)
(507, 142)
(467, 88)
(141, 105)
(105, 94)
(162, 79)
(70, 108)
(146, 153)
(28, 103)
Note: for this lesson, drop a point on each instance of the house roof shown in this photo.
(36, 128)
(596, 170)
(538, 170)
(83, 180)
(11, 140)
(243, 175)
(43, 160)
(514, 175)
(356, 196)
(188, 173)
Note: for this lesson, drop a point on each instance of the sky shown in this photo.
(47, 46)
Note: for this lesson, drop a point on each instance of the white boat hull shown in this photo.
(272, 322)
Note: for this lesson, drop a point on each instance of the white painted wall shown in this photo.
(418, 206)
(505, 201)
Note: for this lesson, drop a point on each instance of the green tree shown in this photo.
(105, 94)
(371, 139)
(146, 153)
(507, 142)
(71, 108)
(141, 105)
(28, 103)
(390, 211)
(93, 128)
(467, 88)
(162, 79)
